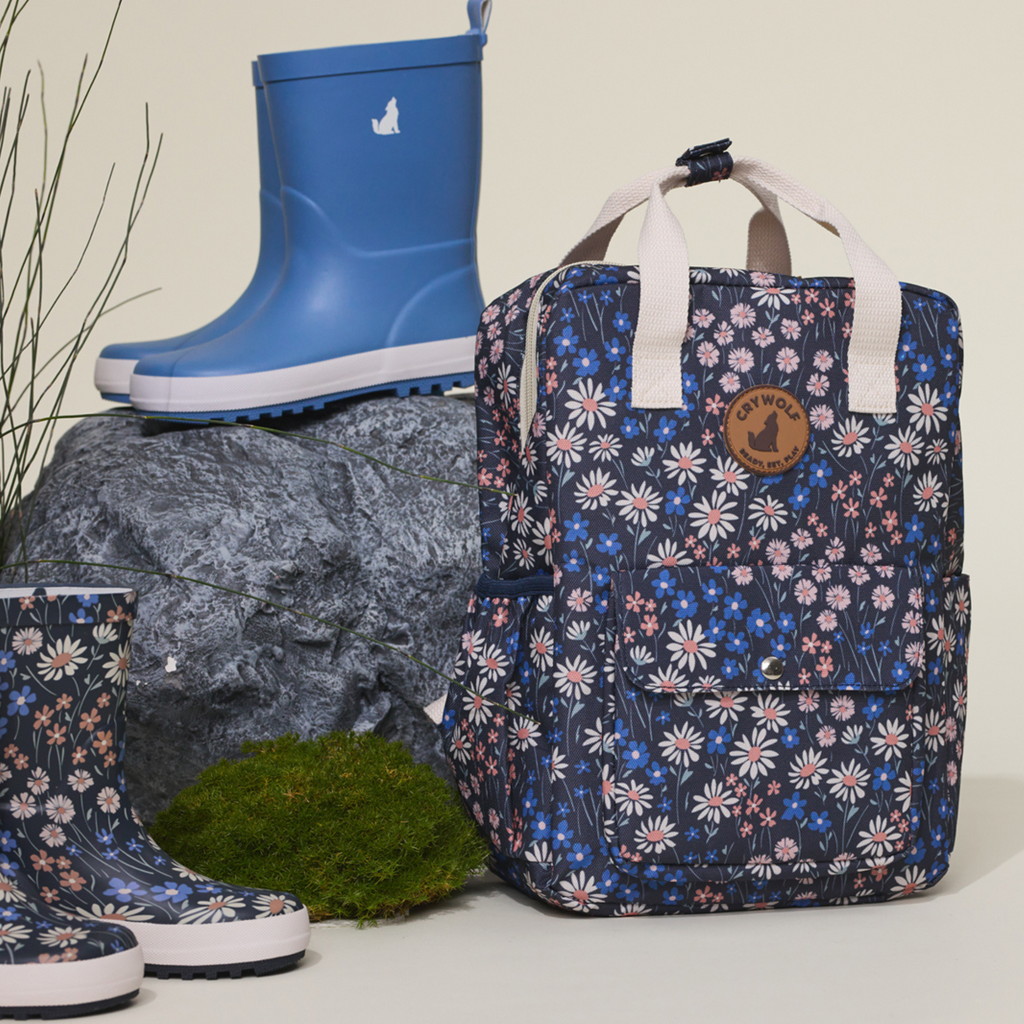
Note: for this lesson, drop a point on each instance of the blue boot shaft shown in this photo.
(116, 362)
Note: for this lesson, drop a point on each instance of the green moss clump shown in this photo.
(348, 823)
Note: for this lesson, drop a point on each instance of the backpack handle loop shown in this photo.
(665, 292)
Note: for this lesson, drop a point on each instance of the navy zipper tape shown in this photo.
(528, 586)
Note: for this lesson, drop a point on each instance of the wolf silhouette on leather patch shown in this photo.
(766, 429)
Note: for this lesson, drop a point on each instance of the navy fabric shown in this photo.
(708, 162)
(646, 765)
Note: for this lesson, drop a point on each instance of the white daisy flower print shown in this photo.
(655, 835)
(767, 513)
(849, 782)
(682, 745)
(715, 802)
(685, 463)
(688, 645)
(640, 505)
(927, 412)
(753, 755)
(712, 519)
(594, 490)
(850, 438)
(574, 678)
(633, 797)
(62, 659)
(588, 404)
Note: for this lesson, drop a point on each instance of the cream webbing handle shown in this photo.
(767, 242)
(665, 293)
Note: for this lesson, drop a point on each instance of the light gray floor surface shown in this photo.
(491, 955)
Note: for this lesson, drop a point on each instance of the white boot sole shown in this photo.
(81, 986)
(233, 947)
(269, 388)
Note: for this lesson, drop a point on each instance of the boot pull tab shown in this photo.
(479, 15)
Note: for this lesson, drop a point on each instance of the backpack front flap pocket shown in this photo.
(764, 719)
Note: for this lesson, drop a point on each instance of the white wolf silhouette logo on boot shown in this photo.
(388, 124)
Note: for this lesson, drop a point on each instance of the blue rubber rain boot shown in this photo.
(114, 366)
(379, 152)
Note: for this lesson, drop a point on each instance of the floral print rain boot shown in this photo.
(53, 964)
(64, 655)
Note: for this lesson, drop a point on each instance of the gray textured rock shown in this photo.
(303, 523)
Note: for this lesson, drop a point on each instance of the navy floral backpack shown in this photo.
(717, 656)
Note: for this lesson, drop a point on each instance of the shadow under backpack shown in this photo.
(717, 656)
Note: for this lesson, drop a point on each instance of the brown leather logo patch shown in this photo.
(766, 429)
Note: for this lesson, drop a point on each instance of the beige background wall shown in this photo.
(905, 114)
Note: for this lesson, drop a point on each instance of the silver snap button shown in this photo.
(771, 668)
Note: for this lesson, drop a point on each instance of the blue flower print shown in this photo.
(80, 617)
(664, 585)
(759, 623)
(689, 384)
(566, 341)
(924, 368)
(716, 628)
(734, 607)
(586, 363)
(608, 544)
(657, 775)
(730, 668)
(666, 430)
(794, 807)
(819, 822)
(618, 389)
(874, 708)
(8, 866)
(8, 844)
(908, 347)
(635, 754)
(174, 891)
(541, 826)
(780, 646)
(19, 701)
(737, 642)
(621, 322)
(915, 530)
(630, 427)
(676, 502)
(786, 623)
(712, 590)
(718, 741)
(883, 777)
(571, 561)
(901, 672)
(800, 497)
(685, 605)
(562, 835)
(917, 851)
(819, 473)
(580, 856)
(576, 527)
(122, 891)
(6, 661)
(614, 349)
(790, 738)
